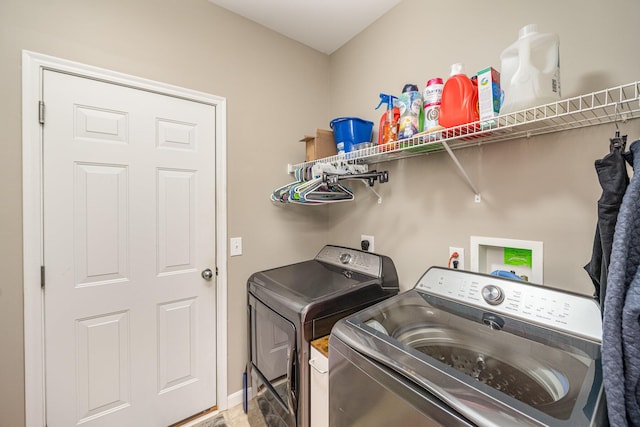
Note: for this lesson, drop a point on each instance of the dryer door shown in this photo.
(274, 370)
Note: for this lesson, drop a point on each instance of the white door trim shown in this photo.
(33, 65)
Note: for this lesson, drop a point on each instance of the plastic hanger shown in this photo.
(617, 142)
(318, 191)
(325, 194)
(319, 184)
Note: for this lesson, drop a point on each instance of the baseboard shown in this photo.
(235, 399)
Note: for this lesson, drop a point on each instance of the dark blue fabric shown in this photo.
(631, 349)
(621, 327)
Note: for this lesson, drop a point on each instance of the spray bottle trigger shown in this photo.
(386, 99)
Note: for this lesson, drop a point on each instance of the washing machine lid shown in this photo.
(516, 373)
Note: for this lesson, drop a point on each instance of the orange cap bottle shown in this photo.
(459, 103)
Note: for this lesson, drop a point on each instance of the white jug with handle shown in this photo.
(530, 71)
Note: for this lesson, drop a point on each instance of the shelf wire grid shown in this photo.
(617, 104)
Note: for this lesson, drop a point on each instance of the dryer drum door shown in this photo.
(274, 368)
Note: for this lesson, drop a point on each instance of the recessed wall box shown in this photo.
(523, 257)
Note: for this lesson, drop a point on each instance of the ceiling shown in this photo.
(324, 25)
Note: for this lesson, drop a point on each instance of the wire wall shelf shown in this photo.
(618, 104)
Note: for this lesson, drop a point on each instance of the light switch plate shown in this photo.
(235, 246)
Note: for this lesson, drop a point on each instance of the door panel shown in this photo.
(102, 346)
(176, 221)
(129, 216)
(101, 224)
(176, 346)
(99, 125)
(180, 136)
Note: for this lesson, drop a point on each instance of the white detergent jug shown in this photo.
(530, 73)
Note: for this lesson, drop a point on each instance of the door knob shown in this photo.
(207, 274)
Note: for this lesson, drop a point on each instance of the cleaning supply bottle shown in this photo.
(432, 98)
(459, 103)
(388, 130)
(410, 104)
(530, 70)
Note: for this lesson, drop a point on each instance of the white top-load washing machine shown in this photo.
(469, 349)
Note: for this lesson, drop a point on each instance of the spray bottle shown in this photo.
(388, 130)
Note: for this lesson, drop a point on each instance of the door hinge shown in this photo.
(41, 112)
(42, 276)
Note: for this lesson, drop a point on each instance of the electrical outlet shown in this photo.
(235, 246)
(364, 237)
(460, 258)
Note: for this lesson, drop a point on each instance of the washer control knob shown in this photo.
(492, 294)
(345, 258)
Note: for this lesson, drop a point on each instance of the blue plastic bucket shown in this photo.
(348, 131)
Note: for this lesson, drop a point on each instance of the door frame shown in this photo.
(33, 65)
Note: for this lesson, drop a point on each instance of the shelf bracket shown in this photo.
(374, 191)
(477, 198)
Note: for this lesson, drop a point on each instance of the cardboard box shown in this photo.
(488, 93)
(320, 146)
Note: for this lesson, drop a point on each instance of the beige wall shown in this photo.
(276, 92)
(544, 188)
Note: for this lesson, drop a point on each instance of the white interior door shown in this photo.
(129, 225)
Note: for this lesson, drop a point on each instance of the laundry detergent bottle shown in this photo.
(530, 70)
(459, 104)
(410, 105)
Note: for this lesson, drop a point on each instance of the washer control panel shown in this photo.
(351, 259)
(544, 306)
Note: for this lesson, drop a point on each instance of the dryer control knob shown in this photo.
(345, 258)
(492, 294)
